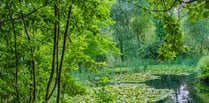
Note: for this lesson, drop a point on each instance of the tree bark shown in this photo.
(121, 49)
(54, 57)
(63, 54)
(16, 54)
(33, 66)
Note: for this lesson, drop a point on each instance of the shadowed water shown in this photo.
(187, 89)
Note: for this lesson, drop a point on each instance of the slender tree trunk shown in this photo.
(121, 49)
(64, 88)
(207, 4)
(54, 57)
(34, 77)
(16, 54)
(31, 92)
(201, 47)
(33, 66)
(58, 34)
(63, 54)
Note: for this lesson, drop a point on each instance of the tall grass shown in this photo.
(85, 77)
(137, 65)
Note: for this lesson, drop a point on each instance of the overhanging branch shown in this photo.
(26, 15)
(154, 10)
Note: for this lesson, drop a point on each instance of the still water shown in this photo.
(187, 89)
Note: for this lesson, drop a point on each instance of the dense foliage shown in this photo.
(203, 65)
(43, 42)
(37, 35)
(134, 27)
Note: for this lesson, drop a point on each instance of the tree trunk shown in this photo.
(54, 57)
(63, 54)
(121, 50)
(33, 66)
(16, 54)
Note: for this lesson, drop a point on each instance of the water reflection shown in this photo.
(181, 94)
(187, 88)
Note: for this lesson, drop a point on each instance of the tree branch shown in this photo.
(26, 15)
(191, 1)
(153, 10)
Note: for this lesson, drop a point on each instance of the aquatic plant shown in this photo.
(203, 67)
(123, 93)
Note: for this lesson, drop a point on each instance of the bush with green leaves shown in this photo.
(203, 66)
(72, 87)
(102, 79)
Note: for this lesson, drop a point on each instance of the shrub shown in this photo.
(102, 79)
(72, 87)
(203, 66)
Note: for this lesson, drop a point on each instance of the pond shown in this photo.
(168, 86)
(187, 88)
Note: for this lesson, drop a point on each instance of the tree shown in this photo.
(197, 34)
(166, 11)
(46, 40)
(133, 29)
